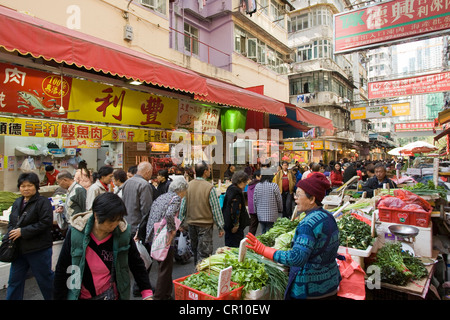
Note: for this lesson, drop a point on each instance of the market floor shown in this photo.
(32, 291)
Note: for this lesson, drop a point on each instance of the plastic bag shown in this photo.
(391, 202)
(353, 284)
(413, 207)
(144, 254)
(28, 165)
(411, 198)
(183, 250)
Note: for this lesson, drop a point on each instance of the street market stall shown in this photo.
(392, 233)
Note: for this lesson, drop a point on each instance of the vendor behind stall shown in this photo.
(378, 180)
(50, 176)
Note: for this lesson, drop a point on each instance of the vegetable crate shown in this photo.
(420, 219)
(183, 292)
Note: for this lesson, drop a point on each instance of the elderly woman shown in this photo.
(99, 254)
(166, 206)
(33, 237)
(234, 212)
(314, 273)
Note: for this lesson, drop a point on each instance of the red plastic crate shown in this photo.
(183, 292)
(420, 219)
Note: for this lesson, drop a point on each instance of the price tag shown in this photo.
(224, 281)
(242, 250)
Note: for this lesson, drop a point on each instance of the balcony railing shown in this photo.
(206, 53)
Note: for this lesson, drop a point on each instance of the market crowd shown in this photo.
(112, 220)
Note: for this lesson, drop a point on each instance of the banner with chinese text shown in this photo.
(387, 22)
(31, 92)
(437, 82)
(104, 103)
(188, 113)
(73, 135)
(372, 112)
(416, 126)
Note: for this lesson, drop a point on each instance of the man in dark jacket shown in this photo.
(378, 180)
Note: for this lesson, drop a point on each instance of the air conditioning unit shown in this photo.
(148, 3)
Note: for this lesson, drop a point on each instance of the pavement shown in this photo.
(32, 291)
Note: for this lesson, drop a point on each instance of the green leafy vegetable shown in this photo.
(354, 233)
(398, 267)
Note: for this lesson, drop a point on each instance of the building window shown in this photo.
(304, 53)
(157, 5)
(255, 49)
(264, 5)
(300, 22)
(321, 49)
(322, 17)
(191, 39)
(277, 13)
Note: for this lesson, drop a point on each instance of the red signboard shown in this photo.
(416, 126)
(437, 82)
(389, 22)
(32, 92)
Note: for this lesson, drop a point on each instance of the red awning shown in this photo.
(227, 94)
(312, 118)
(28, 35)
(294, 124)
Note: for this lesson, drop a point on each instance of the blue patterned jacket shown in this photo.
(313, 256)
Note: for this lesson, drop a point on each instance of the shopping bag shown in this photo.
(159, 248)
(183, 250)
(159, 244)
(144, 254)
(352, 285)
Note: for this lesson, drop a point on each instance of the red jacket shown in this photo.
(336, 178)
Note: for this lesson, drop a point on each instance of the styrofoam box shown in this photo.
(356, 252)
(422, 245)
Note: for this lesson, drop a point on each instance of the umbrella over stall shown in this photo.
(418, 147)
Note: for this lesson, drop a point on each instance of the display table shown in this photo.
(416, 288)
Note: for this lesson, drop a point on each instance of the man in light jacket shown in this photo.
(137, 195)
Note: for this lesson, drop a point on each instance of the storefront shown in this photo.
(98, 113)
(311, 151)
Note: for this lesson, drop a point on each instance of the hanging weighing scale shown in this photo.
(406, 235)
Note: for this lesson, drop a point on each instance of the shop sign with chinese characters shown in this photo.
(437, 82)
(372, 112)
(73, 135)
(416, 126)
(104, 103)
(189, 113)
(388, 22)
(31, 92)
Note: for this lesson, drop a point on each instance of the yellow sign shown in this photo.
(393, 110)
(400, 109)
(108, 104)
(358, 113)
(160, 147)
(69, 131)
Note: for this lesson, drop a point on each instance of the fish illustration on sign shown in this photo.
(34, 101)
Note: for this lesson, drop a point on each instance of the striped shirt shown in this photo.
(215, 208)
(267, 201)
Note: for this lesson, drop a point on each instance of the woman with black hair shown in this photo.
(100, 253)
(163, 183)
(33, 237)
(235, 214)
(83, 175)
(102, 179)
